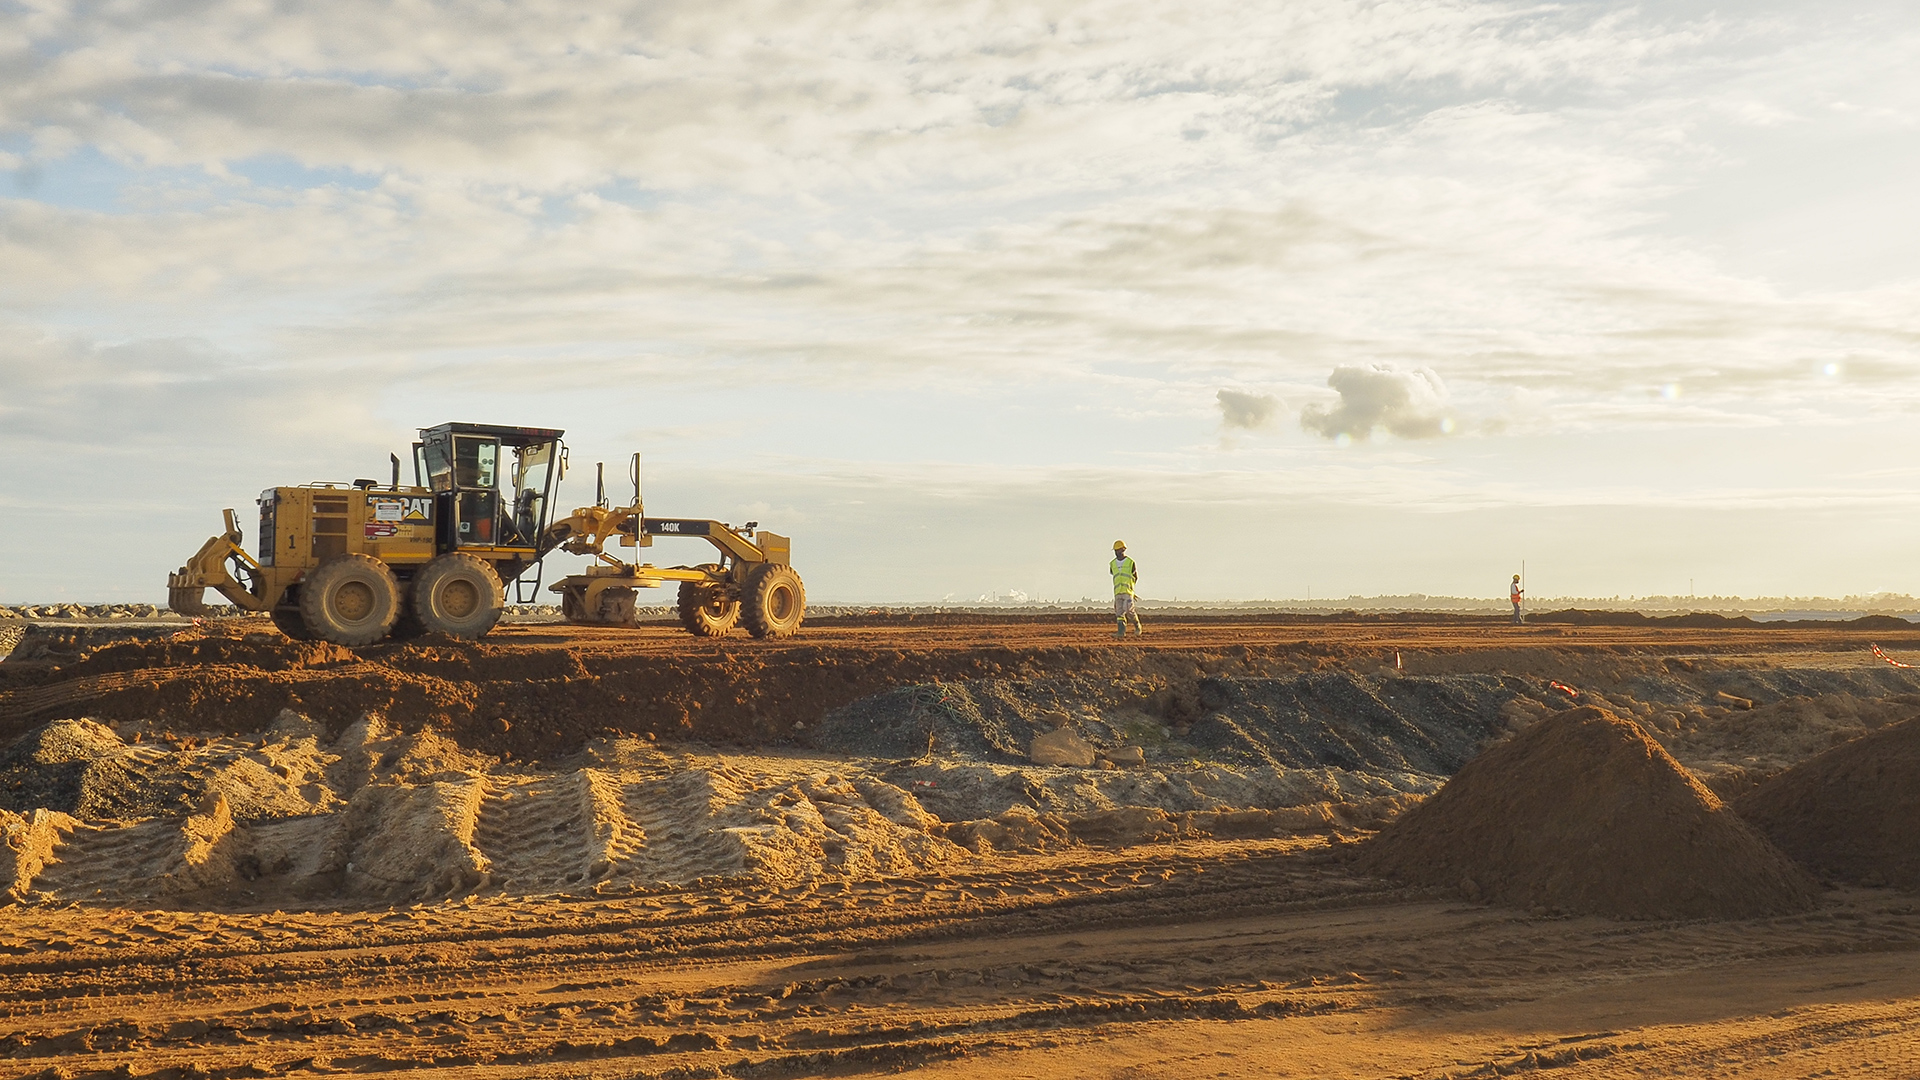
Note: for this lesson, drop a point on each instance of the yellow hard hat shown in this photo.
(1516, 577)
(1119, 545)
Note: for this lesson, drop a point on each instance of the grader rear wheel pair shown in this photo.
(355, 600)
(771, 605)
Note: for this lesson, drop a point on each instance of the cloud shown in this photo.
(684, 93)
(268, 240)
(1243, 410)
(163, 414)
(1411, 404)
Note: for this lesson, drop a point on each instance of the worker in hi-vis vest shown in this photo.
(1125, 574)
(1514, 593)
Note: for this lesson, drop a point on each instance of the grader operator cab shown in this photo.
(352, 564)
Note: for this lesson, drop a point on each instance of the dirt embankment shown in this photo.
(1582, 812)
(232, 767)
(526, 698)
(437, 768)
(1248, 692)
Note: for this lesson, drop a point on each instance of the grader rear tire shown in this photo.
(350, 600)
(706, 610)
(459, 595)
(774, 603)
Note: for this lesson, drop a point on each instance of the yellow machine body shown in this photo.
(352, 563)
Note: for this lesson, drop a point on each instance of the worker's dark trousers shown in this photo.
(1516, 613)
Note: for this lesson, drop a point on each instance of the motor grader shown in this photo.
(354, 563)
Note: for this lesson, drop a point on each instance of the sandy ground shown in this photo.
(1214, 960)
(298, 860)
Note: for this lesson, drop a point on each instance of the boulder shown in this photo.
(1061, 746)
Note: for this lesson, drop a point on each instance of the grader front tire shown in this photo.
(774, 603)
(350, 600)
(459, 595)
(706, 610)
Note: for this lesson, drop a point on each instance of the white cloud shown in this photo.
(1239, 409)
(1411, 404)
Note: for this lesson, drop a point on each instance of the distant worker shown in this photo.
(1514, 593)
(1125, 574)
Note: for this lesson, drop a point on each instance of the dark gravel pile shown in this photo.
(1426, 725)
(71, 766)
(989, 719)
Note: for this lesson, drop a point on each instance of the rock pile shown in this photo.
(83, 611)
(1583, 813)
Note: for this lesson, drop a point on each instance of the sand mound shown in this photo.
(1852, 813)
(411, 843)
(27, 843)
(210, 854)
(1584, 813)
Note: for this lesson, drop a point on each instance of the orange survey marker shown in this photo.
(1564, 688)
(1881, 653)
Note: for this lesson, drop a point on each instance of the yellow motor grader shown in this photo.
(353, 563)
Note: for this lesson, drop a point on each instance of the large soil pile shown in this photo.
(1852, 813)
(1582, 812)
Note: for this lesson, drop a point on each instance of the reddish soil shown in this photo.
(536, 690)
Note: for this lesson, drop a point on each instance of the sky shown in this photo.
(1300, 299)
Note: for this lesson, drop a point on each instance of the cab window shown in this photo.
(475, 462)
(439, 467)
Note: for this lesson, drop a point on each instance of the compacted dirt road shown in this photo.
(1249, 959)
(577, 853)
